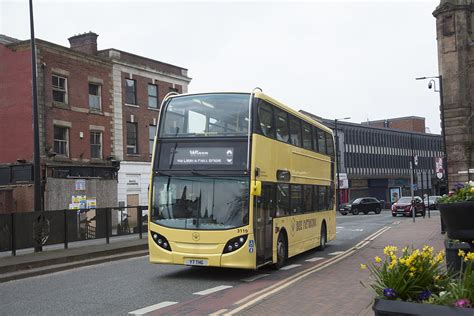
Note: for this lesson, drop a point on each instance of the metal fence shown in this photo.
(37, 229)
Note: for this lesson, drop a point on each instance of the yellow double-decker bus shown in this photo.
(239, 180)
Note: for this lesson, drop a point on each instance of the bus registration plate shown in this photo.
(196, 262)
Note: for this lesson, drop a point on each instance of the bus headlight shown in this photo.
(161, 241)
(235, 243)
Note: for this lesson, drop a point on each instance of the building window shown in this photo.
(59, 89)
(130, 91)
(132, 146)
(94, 96)
(61, 141)
(151, 137)
(96, 145)
(152, 96)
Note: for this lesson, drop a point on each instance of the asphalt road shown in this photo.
(123, 286)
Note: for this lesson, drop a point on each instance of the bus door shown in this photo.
(264, 223)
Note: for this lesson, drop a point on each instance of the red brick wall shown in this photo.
(16, 131)
(143, 116)
(408, 124)
(78, 102)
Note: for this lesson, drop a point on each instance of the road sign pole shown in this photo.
(412, 190)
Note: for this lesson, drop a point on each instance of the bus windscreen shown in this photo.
(200, 203)
(220, 114)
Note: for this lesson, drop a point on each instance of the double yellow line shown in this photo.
(272, 289)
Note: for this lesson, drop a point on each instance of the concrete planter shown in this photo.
(383, 307)
(453, 260)
(459, 220)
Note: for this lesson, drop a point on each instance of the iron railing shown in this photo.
(33, 229)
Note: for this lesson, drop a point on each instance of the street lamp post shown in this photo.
(38, 204)
(432, 83)
(338, 198)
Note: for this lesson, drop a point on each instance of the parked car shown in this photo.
(363, 204)
(433, 205)
(403, 206)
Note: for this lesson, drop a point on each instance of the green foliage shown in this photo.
(420, 276)
(462, 192)
(413, 276)
(459, 289)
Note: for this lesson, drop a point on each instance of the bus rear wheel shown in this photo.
(282, 252)
(324, 237)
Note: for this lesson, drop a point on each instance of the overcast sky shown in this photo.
(334, 59)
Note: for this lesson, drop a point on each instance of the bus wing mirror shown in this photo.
(256, 188)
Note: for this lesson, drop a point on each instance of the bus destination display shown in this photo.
(203, 156)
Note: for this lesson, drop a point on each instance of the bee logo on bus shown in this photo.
(196, 236)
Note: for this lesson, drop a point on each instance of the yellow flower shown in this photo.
(461, 253)
(402, 261)
(472, 190)
(389, 250)
(469, 256)
(411, 274)
(363, 266)
(377, 259)
(413, 269)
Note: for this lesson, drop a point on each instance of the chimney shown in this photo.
(85, 43)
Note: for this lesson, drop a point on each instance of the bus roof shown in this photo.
(269, 99)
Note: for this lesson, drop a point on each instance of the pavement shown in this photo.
(55, 258)
(340, 288)
(343, 288)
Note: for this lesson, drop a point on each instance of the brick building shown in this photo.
(140, 85)
(75, 121)
(455, 35)
(88, 122)
(408, 124)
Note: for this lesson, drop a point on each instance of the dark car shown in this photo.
(363, 204)
(433, 205)
(403, 206)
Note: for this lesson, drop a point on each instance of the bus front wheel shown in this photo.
(282, 252)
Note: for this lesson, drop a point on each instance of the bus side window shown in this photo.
(323, 201)
(315, 139)
(283, 199)
(307, 138)
(281, 125)
(265, 119)
(295, 131)
(331, 196)
(329, 144)
(316, 202)
(321, 142)
(308, 198)
(296, 202)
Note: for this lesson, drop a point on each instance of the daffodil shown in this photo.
(461, 253)
(363, 266)
(377, 259)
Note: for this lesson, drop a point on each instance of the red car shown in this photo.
(403, 206)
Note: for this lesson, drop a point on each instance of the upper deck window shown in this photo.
(206, 115)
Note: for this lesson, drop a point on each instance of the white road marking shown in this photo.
(219, 312)
(291, 266)
(151, 308)
(339, 227)
(336, 253)
(314, 259)
(255, 277)
(214, 289)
